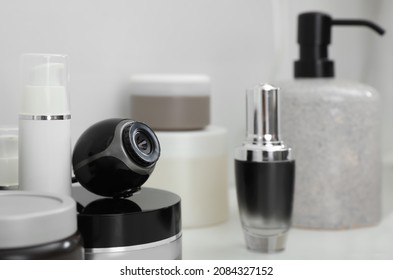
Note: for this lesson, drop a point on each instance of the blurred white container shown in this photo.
(8, 157)
(193, 161)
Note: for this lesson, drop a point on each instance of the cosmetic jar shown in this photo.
(146, 225)
(8, 157)
(171, 102)
(193, 165)
(193, 161)
(38, 226)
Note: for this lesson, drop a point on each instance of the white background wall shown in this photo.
(237, 42)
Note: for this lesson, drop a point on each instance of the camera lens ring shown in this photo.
(142, 141)
(141, 144)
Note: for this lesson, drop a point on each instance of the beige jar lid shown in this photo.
(171, 102)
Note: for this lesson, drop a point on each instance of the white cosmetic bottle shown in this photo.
(333, 127)
(44, 125)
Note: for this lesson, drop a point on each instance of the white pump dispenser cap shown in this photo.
(44, 85)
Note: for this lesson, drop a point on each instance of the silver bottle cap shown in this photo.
(263, 142)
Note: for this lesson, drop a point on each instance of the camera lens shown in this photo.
(143, 142)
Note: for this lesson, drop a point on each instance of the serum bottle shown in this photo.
(265, 174)
(44, 125)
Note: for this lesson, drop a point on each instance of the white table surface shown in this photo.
(225, 240)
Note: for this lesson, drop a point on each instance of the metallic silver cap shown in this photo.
(263, 141)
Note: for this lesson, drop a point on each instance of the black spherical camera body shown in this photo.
(115, 157)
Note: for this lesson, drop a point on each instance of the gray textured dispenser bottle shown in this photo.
(265, 174)
(334, 127)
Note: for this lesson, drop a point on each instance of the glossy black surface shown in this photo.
(94, 140)
(115, 157)
(108, 176)
(265, 190)
(148, 216)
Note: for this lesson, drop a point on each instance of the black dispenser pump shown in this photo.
(314, 31)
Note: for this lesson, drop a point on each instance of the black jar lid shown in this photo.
(150, 215)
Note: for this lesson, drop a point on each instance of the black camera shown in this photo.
(115, 157)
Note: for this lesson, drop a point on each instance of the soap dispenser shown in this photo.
(333, 126)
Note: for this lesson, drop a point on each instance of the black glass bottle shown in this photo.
(265, 173)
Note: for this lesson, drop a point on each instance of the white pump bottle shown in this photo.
(44, 125)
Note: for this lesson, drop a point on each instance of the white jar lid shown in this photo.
(29, 219)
